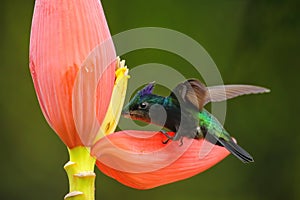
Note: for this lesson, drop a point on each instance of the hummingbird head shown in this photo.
(143, 105)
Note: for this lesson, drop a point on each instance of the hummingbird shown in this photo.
(183, 112)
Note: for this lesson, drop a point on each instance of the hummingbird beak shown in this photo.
(125, 112)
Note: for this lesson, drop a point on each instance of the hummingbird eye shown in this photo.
(143, 105)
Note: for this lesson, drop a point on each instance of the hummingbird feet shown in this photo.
(171, 138)
(168, 137)
(165, 141)
(181, 141)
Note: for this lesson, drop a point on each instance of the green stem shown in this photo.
(80, 171)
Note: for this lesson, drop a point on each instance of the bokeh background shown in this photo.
(254, 42)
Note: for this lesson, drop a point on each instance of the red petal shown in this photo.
(63, 35)
(140, 160)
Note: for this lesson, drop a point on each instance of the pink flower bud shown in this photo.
(72, 62)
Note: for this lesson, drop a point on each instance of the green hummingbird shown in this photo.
(182, 112)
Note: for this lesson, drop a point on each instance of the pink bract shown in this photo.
(70, 41)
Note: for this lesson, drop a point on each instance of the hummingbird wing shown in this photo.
(191, 92)
(194, 93)
(224, 92)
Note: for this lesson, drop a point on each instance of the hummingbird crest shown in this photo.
(147, 89)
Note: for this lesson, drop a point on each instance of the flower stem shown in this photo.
(80, 171)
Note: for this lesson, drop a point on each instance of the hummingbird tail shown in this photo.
(232, 147)
(236, 150)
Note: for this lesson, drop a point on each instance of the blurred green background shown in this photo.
(254, 42)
